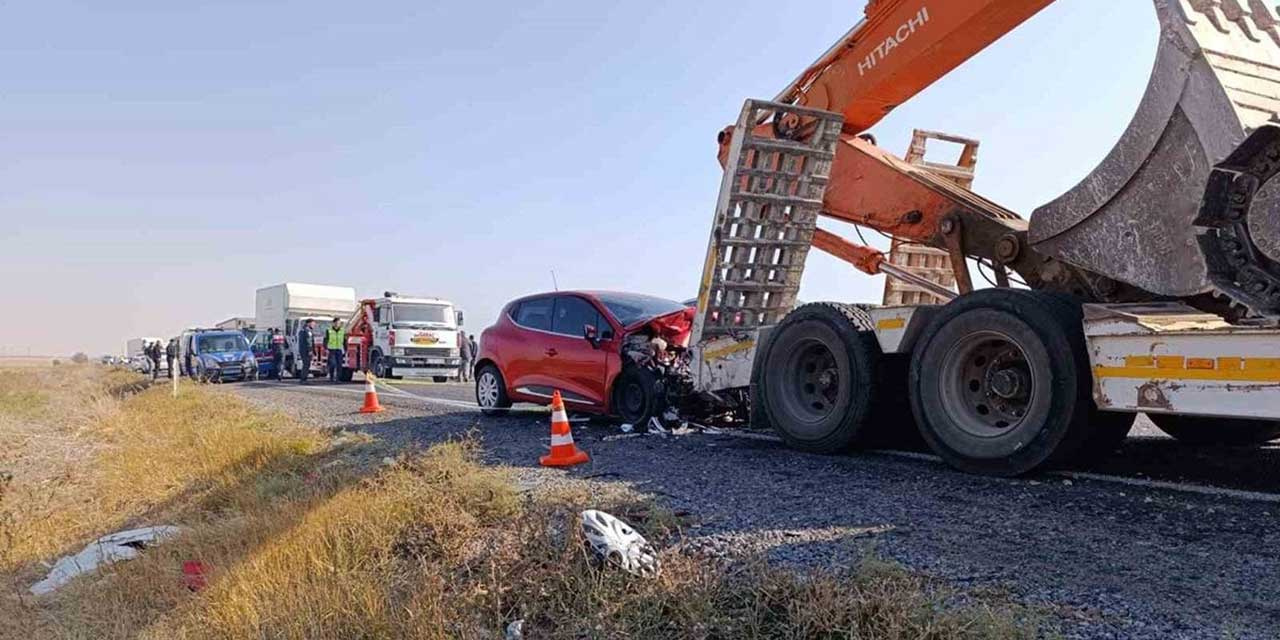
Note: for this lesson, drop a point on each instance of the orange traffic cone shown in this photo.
(563, 452)
(370, 395)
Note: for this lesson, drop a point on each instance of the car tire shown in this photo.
(1226, 432)
(637, 395)
(491, 391)
(440, 379)
(819, 383)
(1000, 383)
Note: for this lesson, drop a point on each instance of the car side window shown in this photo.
(571, 314)
(535, 313)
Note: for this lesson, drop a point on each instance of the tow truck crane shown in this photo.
(1153, 286)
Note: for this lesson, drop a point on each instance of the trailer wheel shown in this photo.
(819, 379)
(1000, 382)
(491, 391)
(1203, 430)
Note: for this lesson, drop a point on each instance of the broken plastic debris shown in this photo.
(656, 427)
(670, 415)
(616, 542)
(515, 630)
(123, 545)
(626, 427)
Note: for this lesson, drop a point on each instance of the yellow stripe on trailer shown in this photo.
(1227, 369)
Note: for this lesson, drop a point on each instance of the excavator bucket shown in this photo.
(1138, 217)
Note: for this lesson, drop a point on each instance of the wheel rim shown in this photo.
(487, 390)
(812, 385)
(379, 369)
(988, 385)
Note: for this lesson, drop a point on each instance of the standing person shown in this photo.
(475, 348)
(154, 352)
(465, 354)
(335, 338)
(306, 343)
(277, 354)
(171, 355)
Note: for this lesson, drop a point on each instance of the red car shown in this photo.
(604, 351)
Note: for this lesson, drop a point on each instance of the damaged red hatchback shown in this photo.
(607, 353)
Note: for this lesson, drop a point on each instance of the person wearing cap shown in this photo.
(335, 339)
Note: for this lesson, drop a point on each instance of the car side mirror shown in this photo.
(589, 332)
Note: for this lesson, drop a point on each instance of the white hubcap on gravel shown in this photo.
(487, 390)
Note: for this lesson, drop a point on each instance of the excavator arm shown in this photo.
(1129, 231)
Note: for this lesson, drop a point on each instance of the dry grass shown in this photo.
(303, 542)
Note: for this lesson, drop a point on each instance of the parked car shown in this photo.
(221, 356)
(603, 351)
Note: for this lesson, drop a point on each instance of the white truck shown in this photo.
(136, 354)
(401, 336)
(287, 306)
(136, 347)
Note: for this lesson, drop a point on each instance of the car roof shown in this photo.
(590, 293)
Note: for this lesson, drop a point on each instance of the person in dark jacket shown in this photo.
(277, 354)
(465, 355)
(153, 352)
(171, 355)
(306, 344)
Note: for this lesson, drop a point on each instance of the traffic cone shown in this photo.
(370, 395)
(563, 452)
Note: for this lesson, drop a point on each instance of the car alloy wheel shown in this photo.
(487, 390)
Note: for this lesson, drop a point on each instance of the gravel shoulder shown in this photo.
(1104, 560)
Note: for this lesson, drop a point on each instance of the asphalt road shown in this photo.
(1102, 558)
(1148, 454)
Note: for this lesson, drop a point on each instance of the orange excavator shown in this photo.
(1178, 223)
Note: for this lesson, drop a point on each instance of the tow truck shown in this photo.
(1151, 287)
(400, 336)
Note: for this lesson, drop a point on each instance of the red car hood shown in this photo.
(673, 327)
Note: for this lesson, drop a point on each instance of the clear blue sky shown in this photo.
(159, 161)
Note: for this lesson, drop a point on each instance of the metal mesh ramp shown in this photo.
(766, 213)
(928, 262)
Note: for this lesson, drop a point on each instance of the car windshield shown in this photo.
(422, 313)
(222, 343)
(630, 308)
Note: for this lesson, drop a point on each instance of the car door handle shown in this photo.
(552, 352)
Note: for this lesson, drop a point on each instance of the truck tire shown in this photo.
(1000, 382)
(491, 391)
(378, 365)
(440, 379)
(819, 379)
(636, 395)
(1206, 431)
